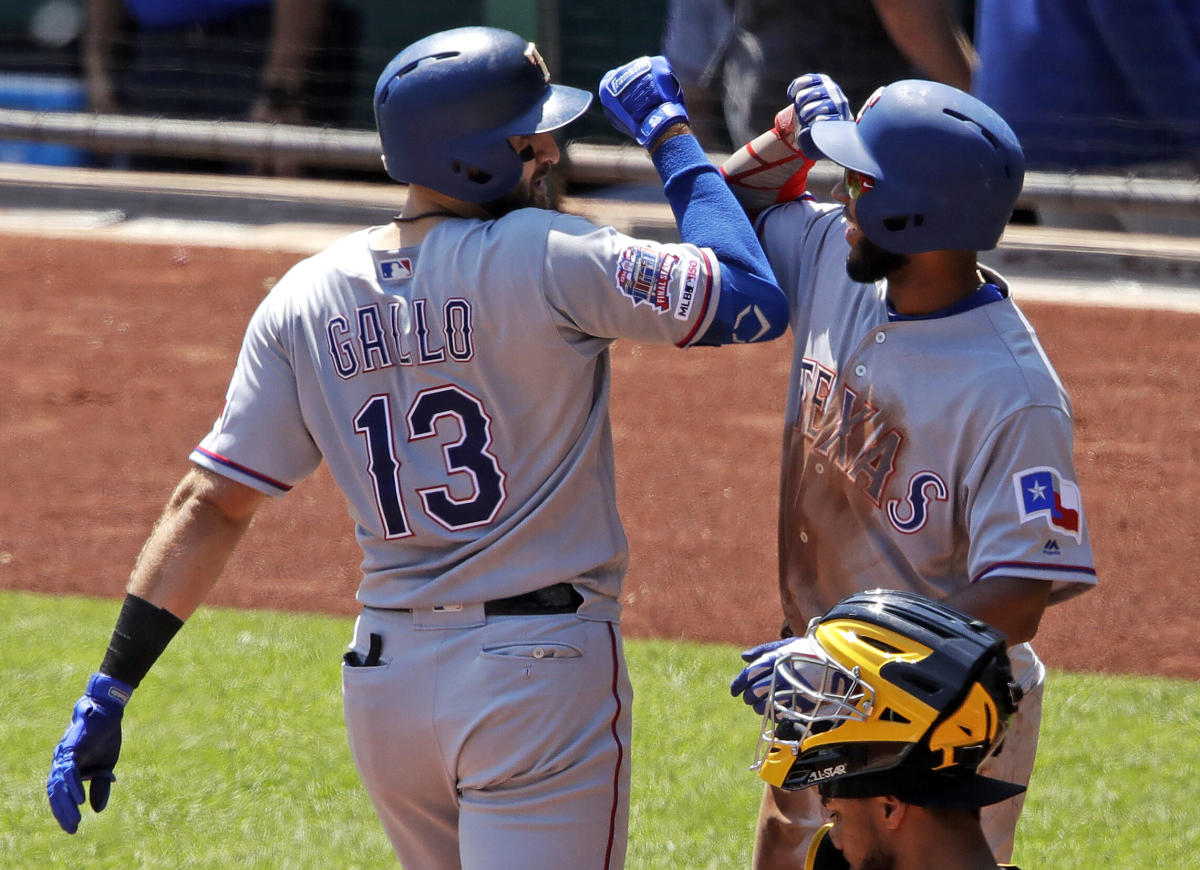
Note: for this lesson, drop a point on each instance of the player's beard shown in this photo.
(868, 263)
(525, 195)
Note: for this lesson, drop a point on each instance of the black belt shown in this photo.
(559, 598)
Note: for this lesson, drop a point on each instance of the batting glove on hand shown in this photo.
(88, 750)
(754, 682)
(643, 98)
(816, 97)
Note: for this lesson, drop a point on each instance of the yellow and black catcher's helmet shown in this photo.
(891, 693)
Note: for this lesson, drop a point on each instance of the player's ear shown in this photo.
(892, 811)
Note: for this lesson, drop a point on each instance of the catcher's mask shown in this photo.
(895, 694)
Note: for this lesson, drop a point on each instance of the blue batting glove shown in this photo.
(88, 750)
(643, 98)
(754, 682)
(816, 97)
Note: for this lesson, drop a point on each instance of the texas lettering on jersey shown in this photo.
(382, 335)
(849, 432)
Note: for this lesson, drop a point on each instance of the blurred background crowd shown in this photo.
(1107, 86)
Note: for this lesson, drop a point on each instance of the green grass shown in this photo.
(235, 755)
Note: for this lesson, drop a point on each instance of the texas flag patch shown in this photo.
(644, 275)
(1043, 492)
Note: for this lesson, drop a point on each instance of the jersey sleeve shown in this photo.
(603, 283)
(260, 439)
(1024, 509)
(799, 238)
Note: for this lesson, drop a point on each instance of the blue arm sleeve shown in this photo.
(751, 306)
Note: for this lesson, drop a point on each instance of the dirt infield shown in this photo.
(116, 359)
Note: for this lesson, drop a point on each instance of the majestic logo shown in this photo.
(396, 270)
(1051, 548)
(1043, 492)
(644, 275)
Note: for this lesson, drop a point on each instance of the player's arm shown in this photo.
(199, 529)
(927, 33)
(773, 168)
(105, 21)
(643, 99)
(1013, 605)
(184, 555)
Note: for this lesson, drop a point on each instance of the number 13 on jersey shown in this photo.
(468, 455)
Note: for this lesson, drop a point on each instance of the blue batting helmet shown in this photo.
(446, 105)
(947, 169)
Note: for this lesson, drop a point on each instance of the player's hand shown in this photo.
(816, 97)
(643, 98)
(754, 682)
(88, 750)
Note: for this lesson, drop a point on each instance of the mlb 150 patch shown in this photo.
(644, 275)
(687, 296)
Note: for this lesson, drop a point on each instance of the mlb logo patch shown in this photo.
(1043, 492)
(396, 269)
(644, 275)
(683, 308)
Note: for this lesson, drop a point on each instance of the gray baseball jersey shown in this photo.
(459, 393)
(919, 454)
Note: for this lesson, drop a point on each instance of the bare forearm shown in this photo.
(105, 20)
(1013, 605)
(926, 33)
(295, 33)
(192, 541)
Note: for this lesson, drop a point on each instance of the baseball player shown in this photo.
(888, 705)
(452, 370)
(928, 440)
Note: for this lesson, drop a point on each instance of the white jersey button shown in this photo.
(860, 370)
(804, 537)
(819, 468)
(880, 338)
(538, 652)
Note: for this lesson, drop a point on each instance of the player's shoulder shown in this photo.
(800, 228)
(802, 214)
(1007, 347)
(350, 253)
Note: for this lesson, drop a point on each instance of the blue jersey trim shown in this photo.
(985, 295)
(241, 469)
(1035, 566)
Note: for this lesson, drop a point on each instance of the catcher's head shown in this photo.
(937, 169)
(447, 105)
(896, 694)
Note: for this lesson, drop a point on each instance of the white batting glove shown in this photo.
(816, 97)
(756, 680)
